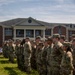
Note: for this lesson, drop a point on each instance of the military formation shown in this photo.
(52, 56)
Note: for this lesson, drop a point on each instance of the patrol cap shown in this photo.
(27, 38)
(17, 40)
(10, 40)
(41, 44)
(62, 37)
(56, 36)
(38, 37)
(49, 38)
(68, 44)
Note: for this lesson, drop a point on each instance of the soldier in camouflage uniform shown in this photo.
(27, 55)
(37, 41)
(72, 37)
(33, 57)
(5, 49)
(39, 59)
(73, 47)
(44, 57)
(56, 56)
(22, 54)
(66, 63)
(50, 48)
(11, 51)
(17, 52)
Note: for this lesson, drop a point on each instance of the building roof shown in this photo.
(12, 21)
(18, 21)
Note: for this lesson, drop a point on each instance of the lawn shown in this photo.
(7, 68)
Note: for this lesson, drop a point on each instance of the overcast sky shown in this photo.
(53, 11)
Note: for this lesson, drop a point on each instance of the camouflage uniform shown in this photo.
(39, 62)
(73, 47)
(5, 50)
(50, 48)
(44, 60)
(56, 56)
(22, 57)
(55, 61)
(33, 58)
(17, 51)
(11, 53)
(66, 64)
(27, 56)
(39, 59)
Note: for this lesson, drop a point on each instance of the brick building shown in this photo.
(28, 27)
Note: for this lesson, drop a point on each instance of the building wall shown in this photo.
(1, 36)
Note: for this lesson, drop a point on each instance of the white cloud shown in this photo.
(62, 12)
(5, 2)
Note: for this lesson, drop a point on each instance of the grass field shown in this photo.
(7, 68)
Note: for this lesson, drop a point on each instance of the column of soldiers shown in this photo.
(54, 56)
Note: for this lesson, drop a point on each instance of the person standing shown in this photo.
(11, 51)
(66, 63)
(39, 59)
(73, 47)
(50, 48)
(27, 55)
(56, 55)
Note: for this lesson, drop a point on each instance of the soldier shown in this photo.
(49, 51)
(27, 55)
(5, 49)
(38, 58)
(56, 55)
(33, 57)
(17, 52)
(11, 51)
(44, 57)
(37, 41)
(66, 63)
(72, 37)
(62, 38)
(73, 47)
(22, 54)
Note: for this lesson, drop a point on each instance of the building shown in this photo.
(28, 27)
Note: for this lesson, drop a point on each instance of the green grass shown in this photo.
(7, 68)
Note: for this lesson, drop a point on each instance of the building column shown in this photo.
(34, 34)
(3, 34)
(52, 32)
(24, 33)
(14, 34)
(67, 34)
(44, 34)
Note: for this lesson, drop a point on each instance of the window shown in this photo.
(48, 32)
(59, 30)
(70, 33)
(70, 25)
(29, 21)
(19, 33)
(74, 26)
(38, 33)
(29, 33)
(8, 32)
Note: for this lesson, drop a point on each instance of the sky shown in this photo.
(53, 11)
